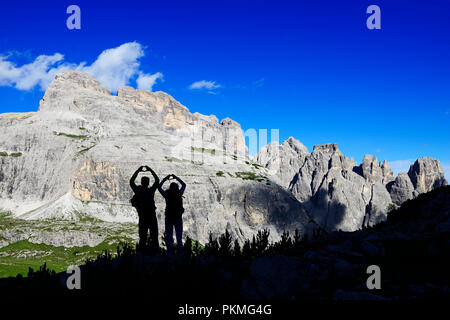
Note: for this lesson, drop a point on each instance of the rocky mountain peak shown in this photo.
(210, 119)
(427, 174)
(66, 83)
(328, 148)
(229, 123)
(71, 78)
(401, 189)
(374, 171)
(340, 194)
(296, 145)
(156, 101)
(388, 174)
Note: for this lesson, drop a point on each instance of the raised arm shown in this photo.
(183, 185)
(155, 176)
(160, 189)
(133, 179)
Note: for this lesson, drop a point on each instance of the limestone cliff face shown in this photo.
(424, 175)
(401, 189)
(78, 152)
(283, 160)
(375, 172)
(338, 193)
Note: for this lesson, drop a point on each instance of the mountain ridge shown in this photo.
(339, 193)
(77, 152)
(82, 146)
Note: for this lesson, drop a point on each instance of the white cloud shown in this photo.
(114, 68)
(400, 165)
(37, 73)
(259, 83)
(146, 81)
(203, 84)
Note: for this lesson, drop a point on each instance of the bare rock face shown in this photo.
(284, 160)
(77, 153)
(426, 174)
(401, 189)
(339, 194)
(388, 174)
(337, 197)
(375, 172)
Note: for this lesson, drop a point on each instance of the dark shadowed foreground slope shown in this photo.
(411, 248)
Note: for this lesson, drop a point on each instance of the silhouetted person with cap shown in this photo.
(144, 202)
(174, 211)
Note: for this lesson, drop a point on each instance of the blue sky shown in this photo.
(311, 69)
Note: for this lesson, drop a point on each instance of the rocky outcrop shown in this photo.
(338, 193)
(424, 175)
(401, 189)
(375, 172)
(335, 194)
(284, 160)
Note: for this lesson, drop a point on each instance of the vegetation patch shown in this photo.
(85, 218)
(5, 215)
(173, 159)
(220, 173)
(246, 175)
(203, 150)
(256, 166)
(86, 149)
(16, 154)
(3, 154)
(72, 136)
(390, 207)
(50, 259)
(16, 258)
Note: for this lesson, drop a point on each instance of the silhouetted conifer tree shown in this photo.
(237, 249)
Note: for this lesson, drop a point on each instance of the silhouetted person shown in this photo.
(144, 202)
(174, 212)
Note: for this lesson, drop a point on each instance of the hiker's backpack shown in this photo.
(174, 205)
(142, 201)
(134, 201)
